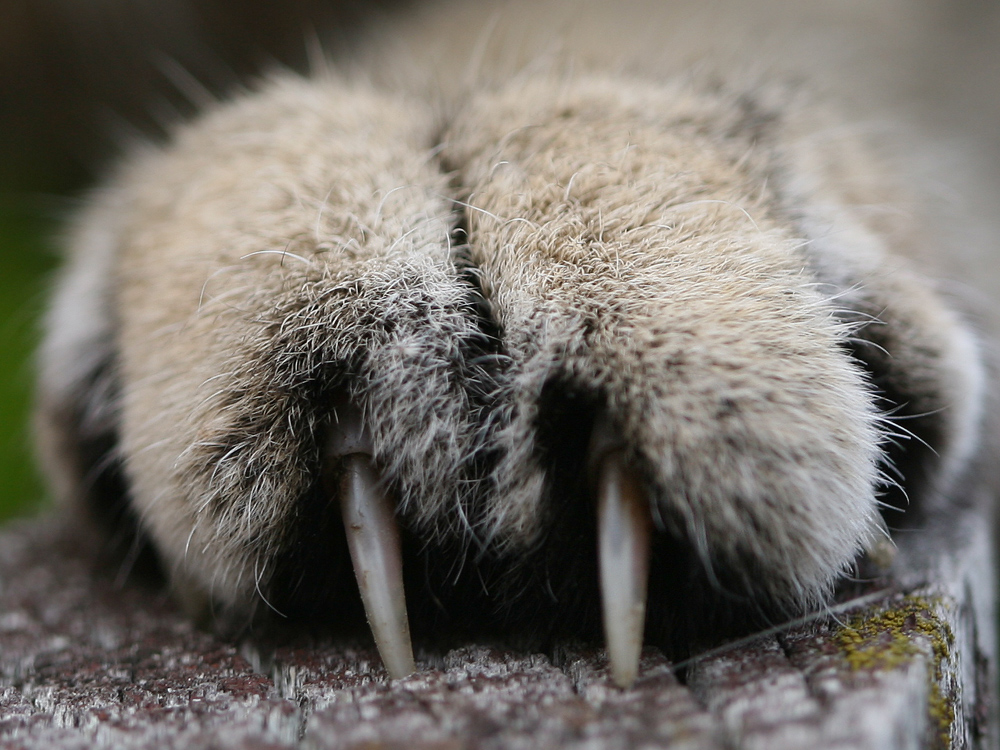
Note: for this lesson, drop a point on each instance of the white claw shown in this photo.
(623, 531)
(373, 539)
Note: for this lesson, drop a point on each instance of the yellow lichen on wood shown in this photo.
(885, 640)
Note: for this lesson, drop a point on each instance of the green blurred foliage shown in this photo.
(26, 263)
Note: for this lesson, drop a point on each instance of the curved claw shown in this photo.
(373, 539)
(624, 529)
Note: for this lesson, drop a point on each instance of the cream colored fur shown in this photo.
(660, 215)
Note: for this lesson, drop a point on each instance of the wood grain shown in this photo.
(86, 662)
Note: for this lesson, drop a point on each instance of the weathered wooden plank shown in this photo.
(84, 663)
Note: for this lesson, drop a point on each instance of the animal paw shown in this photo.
(586, 350)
